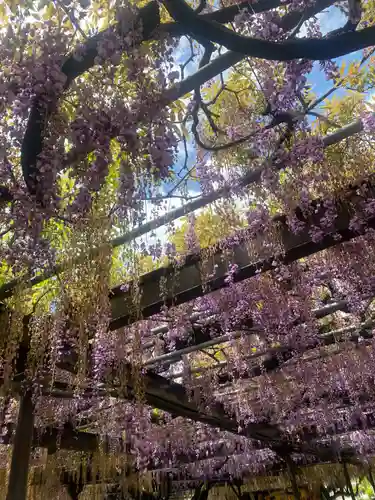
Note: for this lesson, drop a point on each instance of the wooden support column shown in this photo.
(324, 495)
(74, 490)
(371, 479)
(348, 482)
(19, 470)
(293, 477)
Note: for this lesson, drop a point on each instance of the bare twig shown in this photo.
(72, 18)
(189, 60)
(180, 181)
(202, 5)
(337, 85)
(323, 118)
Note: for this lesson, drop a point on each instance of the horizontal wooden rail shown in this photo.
(278, 356)
(166, 395)
(69, 439)
(188, 344)
(177, 284)
(211, 328)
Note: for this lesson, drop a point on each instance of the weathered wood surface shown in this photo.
(23, 439)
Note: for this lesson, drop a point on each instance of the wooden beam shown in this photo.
(73, 485)
(293, 478)
(19, 469)
(164, 394)
(348, 481)
(186, 282)
(254, 176)
(274, 357)
(326, 456)
(212, 331)
(278, 356)
(89, 442)
(69, 439)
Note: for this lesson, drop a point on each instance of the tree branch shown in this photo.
(202, 5)
(307, 48)
(226, 14)
(32, 144)
(288, 22)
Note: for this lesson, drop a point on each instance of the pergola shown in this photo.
(177, 392)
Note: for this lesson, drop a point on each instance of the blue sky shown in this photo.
(330, 20)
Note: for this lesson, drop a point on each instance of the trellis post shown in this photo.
(293, 478)
(347, 480)
(371, 479)
(19, 469)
